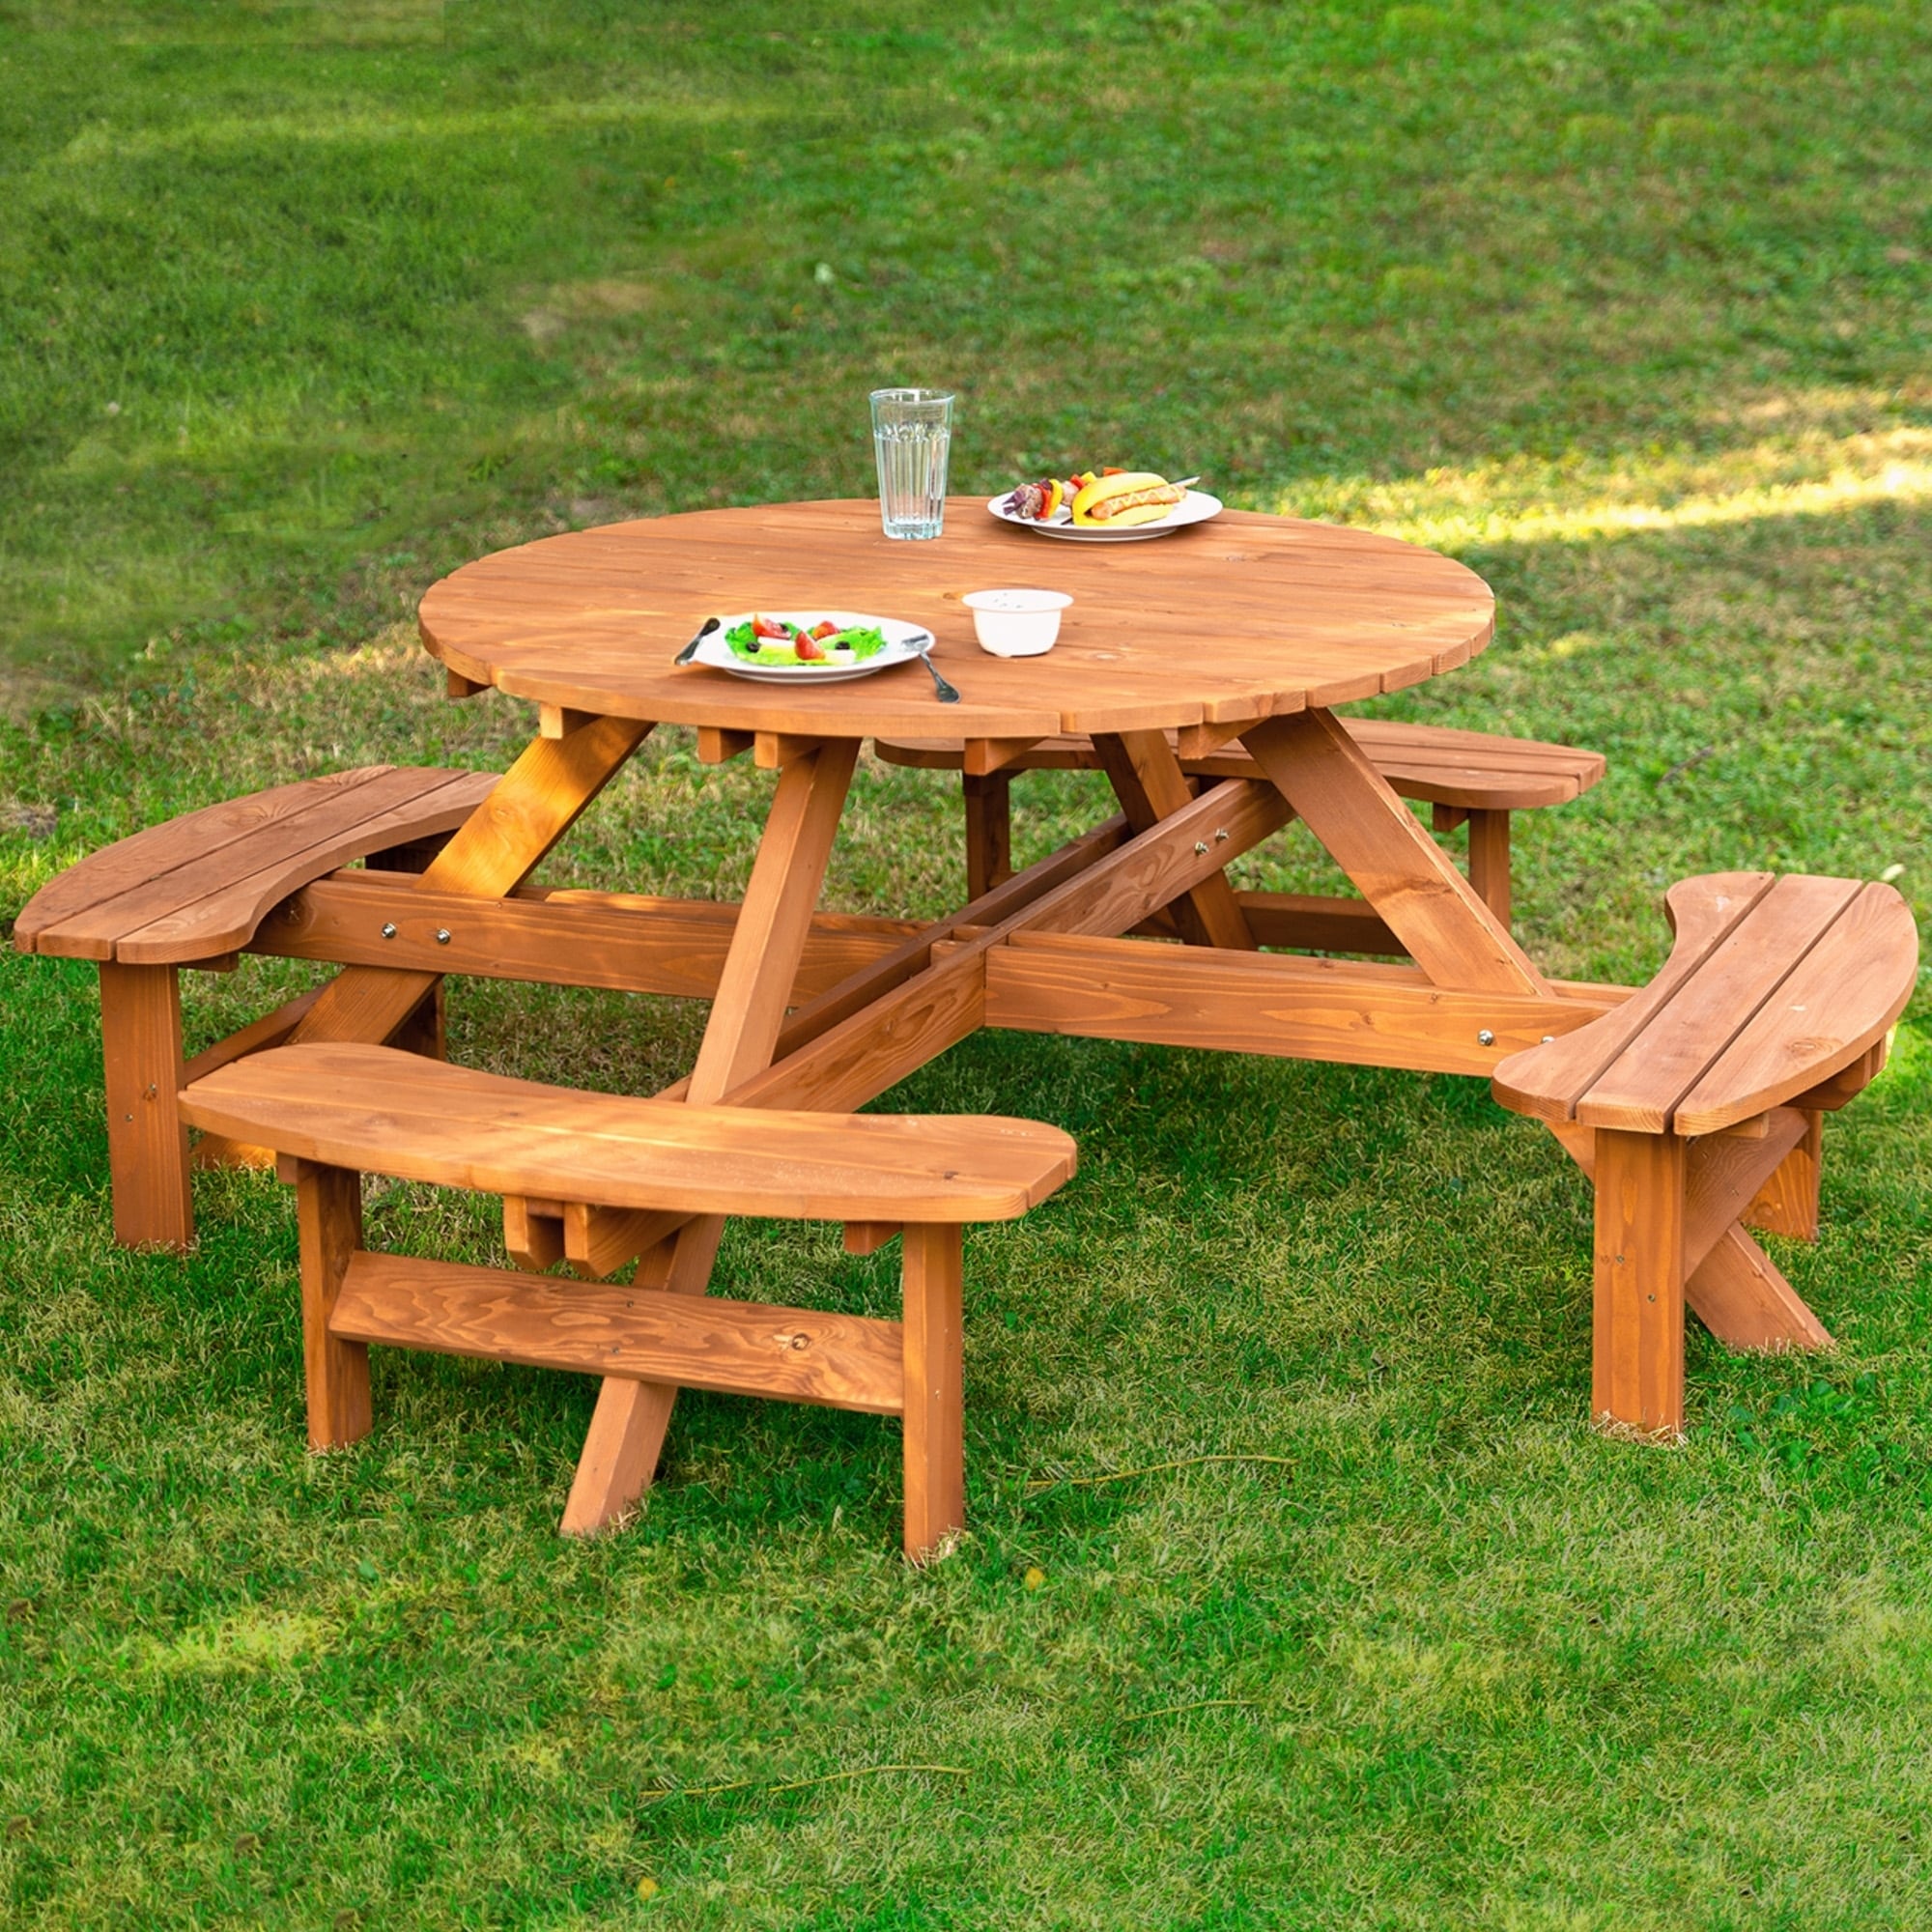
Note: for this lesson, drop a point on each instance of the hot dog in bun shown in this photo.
(1129, 497)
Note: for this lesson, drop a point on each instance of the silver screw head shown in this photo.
(1486, 1038)
(1200, 849)
(389, 928)
(442, 936)
(1220, 835)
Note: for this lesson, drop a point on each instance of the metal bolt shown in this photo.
(1201, 850)
(801, 1341)
(1220, 835)
(1486, 1038)
(442, 936)
(1548, 1038)
(389, 928)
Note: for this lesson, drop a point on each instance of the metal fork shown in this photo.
(689, 651)
(946, 693)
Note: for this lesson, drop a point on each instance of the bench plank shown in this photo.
(1434, 763)
(200, 885)
(159, 849)
(374, 1109)
(1547, 1081)
(1839, 1001)
(1639, 1090)
(739, 1347)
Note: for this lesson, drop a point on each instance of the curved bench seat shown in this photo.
(1773, 986)
(1697, 1104)
(192, 891)
(336, 1111)
(196, 887)
(1465, 775)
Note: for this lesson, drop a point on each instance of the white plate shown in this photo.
(1196, 507)
(902, 646)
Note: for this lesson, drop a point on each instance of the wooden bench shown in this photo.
(1697, 1104)
(1465, 775)
(338, 1111)
(191, 893)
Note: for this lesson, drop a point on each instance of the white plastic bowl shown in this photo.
(1017, 623)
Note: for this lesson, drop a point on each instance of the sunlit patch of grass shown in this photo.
(1579, 499)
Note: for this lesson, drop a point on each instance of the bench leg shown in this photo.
(1489, 860)
(1787, 1203)
(989, 831)
(329, 1216)
(935, 1425)
(147, 1143)
(1637, 1354)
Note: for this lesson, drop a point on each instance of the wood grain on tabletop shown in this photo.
(1241, 617)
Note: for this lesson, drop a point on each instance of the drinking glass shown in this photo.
(912, 434)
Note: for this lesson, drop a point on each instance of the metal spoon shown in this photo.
(689, 651)
(946, 693)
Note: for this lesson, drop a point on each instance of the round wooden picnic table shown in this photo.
(1249, 625)
(1243, 617)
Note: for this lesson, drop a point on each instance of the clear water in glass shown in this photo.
(911, 437)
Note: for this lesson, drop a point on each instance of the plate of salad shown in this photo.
(809, 646)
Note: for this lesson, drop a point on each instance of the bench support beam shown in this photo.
(933, 1385)
(1638, 1348)
(329, 1216)
(147, 1141)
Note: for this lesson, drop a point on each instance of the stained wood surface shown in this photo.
(1240, 618)
(1737, 1291)
(1773, 986)
(630, 942)
(328, 1222)
(742, 1348)
(1349, 1012)
(200, 884)
(1787, 1203)
(391, 1112)
(147, 1139)
(1431, 763)
(933, 1339)
(1637, 1352)
(496, 848)
(1148, 780)
(1393, 863)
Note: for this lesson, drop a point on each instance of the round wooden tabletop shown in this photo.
(1230, 620)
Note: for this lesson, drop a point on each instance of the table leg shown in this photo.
(1397, 867)
(495, 849)
(626, 1435)
(1148, 780)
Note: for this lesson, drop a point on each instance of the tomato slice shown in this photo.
(819, 631)
(768, 627)
(807, 648)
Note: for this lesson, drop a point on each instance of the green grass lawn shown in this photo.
(301, 305)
